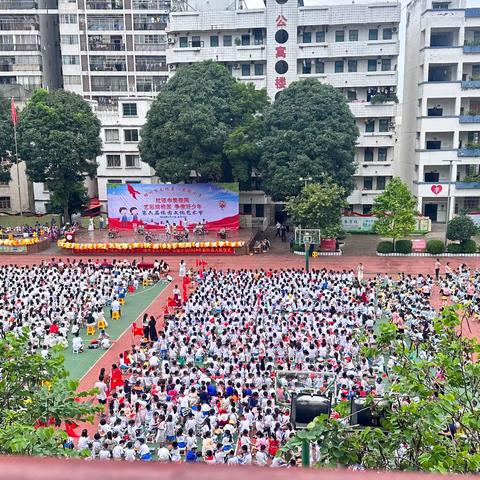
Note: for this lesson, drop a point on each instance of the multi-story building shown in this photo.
(441, 112)
(352, 46)
(113, 54)
(29, 59)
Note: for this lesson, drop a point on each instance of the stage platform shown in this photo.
(238, 242)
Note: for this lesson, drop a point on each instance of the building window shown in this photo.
(372, 65)
(183, 42)
(351, 95)
(5, 202)
(258, 69)
(339, 35)
(307, 37)
(4, 183)
(470, 203)
(382, 154)
(113, 161)
(68, 18)
(132, 161)
(230, 68)
(339, 66)
(258, 36)
(440, 5)
(196, 43)
(112, 135)
(368, 155)
(227, 40)
(245, 39)
(352, 65)
(369, 126)
(387, 33)
(386, 64)
(319, 66)
(373, 34)
(131, 135)
(71, 60)
(367, 209)
(245, 69)
(214, 40)
(69, 39)
(307, 66)
(368, 183)
(383, 125)
(381, 181)
(320, 37)
(353, 36)
(72, 80)
(129, 109)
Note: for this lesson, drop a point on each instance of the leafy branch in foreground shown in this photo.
(431, 421)
(36, 399)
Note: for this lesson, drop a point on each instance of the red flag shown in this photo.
(14, 112)
(116, 379)
(166, 311)
(136, 330)
(70, 429)
(186, 281)
(171, 302)
(204, 263)
(197, 262)
(185, 295)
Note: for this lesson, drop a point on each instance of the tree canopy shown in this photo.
(461, 228)
(59, 141)
(429, 421)
(308, 131)
(192, 118)
(395, 209)
(318, 205)
(7, 143)
(36, 399)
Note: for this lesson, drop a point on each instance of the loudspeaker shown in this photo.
(305, 408)
(367, 416)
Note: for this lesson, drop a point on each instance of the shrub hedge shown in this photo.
(403, 246)
(385, 247)
(435, 247)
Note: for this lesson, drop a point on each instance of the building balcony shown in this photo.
(375, 140)
(367, 109)
(104, 5)
(150, 47)
(106, 47)
(105, 67)
(6, 67)
(469, 119)
(152, 67)
(432, 189)
(17, 4)
(467, 186)
(25, 26)
(151, 5)
(472, 12)
(472, 48)
(106, 26)
(347, 49)
(469, 152)
(470, 84)
(149, 26)
(109, 88)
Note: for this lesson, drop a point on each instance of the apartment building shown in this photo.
(29, 59)
(113, 54)
(353, 46)
(440, 148)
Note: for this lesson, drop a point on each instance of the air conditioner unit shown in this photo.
(171, 40)
(172, 67)
(236, 66)
(394, 29)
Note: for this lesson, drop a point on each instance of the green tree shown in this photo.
(35, 391)
(318, 205)
(308, 131)
(434, 383)
(7, 144)
(395, 209)
(192, 118)
(59, 141)
(461, 228)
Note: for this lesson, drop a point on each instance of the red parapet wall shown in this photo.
(36, 468)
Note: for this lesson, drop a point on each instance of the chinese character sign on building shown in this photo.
(155, 206)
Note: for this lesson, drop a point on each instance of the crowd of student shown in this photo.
(56, 299)
(213, 384)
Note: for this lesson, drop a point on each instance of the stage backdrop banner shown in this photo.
(153, 206)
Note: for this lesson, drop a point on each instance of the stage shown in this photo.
(238, 242)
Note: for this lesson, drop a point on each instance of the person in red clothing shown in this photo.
(53, 328)
(272, 445)
(116, 379)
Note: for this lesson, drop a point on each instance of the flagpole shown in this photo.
(14, 121)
